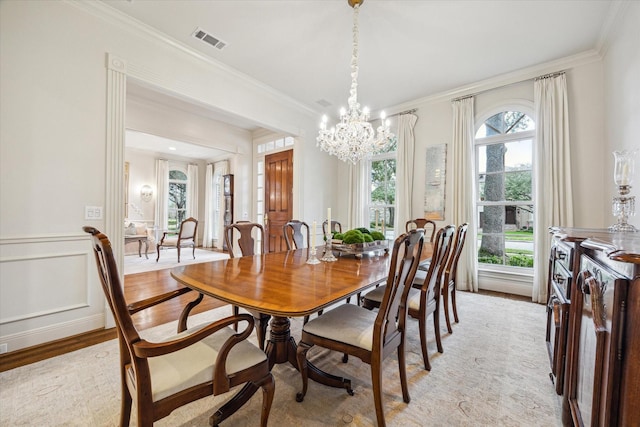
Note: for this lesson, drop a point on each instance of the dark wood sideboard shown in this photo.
(593, 325)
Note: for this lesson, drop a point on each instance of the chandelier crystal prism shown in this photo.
(353, 138)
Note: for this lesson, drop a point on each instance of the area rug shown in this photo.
(494, 372)
(168, 259)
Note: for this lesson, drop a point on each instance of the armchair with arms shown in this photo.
(208, 359)
(186, 238)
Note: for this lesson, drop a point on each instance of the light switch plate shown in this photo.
(93, 212)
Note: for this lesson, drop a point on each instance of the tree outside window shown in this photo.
(504, 157)
(177, 199)
(383, 191)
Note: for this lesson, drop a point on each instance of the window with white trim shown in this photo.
(381, 207)
(177, 198)
(504, 188)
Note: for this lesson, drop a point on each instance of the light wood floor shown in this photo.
(136, 287)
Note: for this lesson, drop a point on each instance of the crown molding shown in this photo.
(517, 76)
(612, 23)
(113, 16)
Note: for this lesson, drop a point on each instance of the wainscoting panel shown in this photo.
(49, 289)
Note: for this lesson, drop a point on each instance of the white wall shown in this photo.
(622, 102)
(53, 110)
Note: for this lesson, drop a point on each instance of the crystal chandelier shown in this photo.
(353, 138)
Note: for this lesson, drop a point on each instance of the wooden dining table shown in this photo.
(283, 285)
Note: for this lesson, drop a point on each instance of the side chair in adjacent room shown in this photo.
(371, 336)
(186, 238)
(208, 359)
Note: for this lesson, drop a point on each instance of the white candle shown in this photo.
(624, 179)
(382, 225)
(313, 235)
(329, 222)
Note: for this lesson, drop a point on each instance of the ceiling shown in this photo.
(408, 49)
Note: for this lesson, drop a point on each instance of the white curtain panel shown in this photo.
(552, 162)
(405, 157)
(219, 169)
(162, 196)
(192, 191)
(358, 196)
(464, 190)
(209, 208)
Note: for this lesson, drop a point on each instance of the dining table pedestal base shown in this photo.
(282, 348)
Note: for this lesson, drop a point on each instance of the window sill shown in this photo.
(507, 280)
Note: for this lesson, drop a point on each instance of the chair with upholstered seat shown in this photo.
(428, 225)
(208, 359)
(186, 238)
(336, 227)
(246, 242)
(370, 336)
(424, 297)
(295, 232)
(449, 281)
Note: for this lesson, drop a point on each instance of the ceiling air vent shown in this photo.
(208, 38)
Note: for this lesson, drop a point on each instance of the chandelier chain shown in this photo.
(353, 138)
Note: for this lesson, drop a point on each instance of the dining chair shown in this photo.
(336, 227)
(449, 281)
(294, 235)
(424, 297)
(185, 238)
(295, 232)
(427, 224)
(247, 245)
(208, 359)
(370, 336)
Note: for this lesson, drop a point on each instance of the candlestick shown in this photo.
(623, 205)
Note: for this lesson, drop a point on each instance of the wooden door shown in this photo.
(278, 196)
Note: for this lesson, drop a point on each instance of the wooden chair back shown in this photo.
(452, 264)
(136, 374)
(336, 227)
(392, 314)
(294, 234)
(426, 301)
(448, 289)
(441, 249)
(428, 225)
(246, 240)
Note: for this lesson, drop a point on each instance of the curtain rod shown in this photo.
(413, 110)
(545, 76)
(548, 76)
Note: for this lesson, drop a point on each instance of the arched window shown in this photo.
(177, 198)
(504, 180)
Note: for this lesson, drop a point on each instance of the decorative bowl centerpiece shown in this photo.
(358, 242)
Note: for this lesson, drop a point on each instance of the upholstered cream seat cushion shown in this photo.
(413, 300)
(195, 364)
(347, 323)
(173, 241)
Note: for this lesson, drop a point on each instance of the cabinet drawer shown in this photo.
(561, 279)
(563, 254)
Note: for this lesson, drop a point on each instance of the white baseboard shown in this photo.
(52, 332)
(515, 284)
